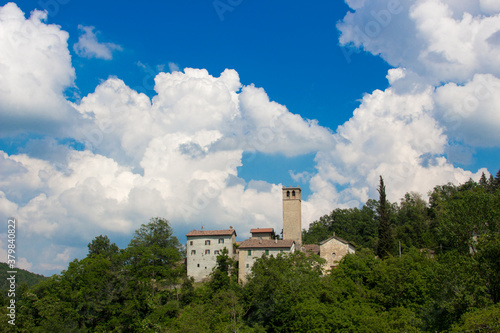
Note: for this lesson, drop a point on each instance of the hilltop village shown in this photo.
(203, 246)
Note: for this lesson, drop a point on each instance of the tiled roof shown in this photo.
(266, 243)
(311, 248)
(337, 238)
(261, 230)
(225, 232)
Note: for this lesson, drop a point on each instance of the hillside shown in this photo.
(22, 276)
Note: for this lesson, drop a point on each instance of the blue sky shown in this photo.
(199, 111)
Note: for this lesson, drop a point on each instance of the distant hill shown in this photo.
(22, 276)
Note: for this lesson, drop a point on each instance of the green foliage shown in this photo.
(103, 246)
(480, 320)
(153, 255)
(447, 278)
(276, 284)
(359, 226)
(225, 273)
(385, 245)
(22, 276)
(469, 212)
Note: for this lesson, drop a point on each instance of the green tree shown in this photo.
(414, 227)
(277, 284)
(385, 244)
(480, 320)
(103, 246)
(466, 214)
(359, 226)
(224, 274)
(488, 258)
(154, 254)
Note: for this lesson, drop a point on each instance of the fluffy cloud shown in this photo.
(390, 134)
(177, 154)
(470, 111)
(35, 70)
(88, 46)
(441, 40)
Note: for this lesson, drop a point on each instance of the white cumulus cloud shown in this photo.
(89, 47)
(35, 70)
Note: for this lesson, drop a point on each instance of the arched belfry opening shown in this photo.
(293, 194)
(288, 194)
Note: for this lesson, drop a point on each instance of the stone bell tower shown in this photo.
(292, 214)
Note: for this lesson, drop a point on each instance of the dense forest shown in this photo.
(420, 266)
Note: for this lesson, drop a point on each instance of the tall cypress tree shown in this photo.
(385, 240)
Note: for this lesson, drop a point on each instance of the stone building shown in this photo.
(333, 250)
(262, 242)
(203, 247)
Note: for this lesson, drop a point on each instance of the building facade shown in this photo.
(252, 249)
(203, 247)
(333, 250)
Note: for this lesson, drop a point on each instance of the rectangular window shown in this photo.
(249, 252)
(281, 251)
(247, 265)
(221, 240)
(216, 252)
(207, 251)
(207, 242)
(190, 242)
(193, 252)
(267, 252)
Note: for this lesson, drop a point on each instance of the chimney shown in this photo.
(276, 241)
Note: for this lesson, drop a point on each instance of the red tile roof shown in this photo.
(266, 243)
(225, 232)
(261, 230)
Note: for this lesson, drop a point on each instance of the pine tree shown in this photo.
(385, 240)
(483, 182)
(496, 181)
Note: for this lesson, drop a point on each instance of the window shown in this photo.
(207, 242)
(190, 242)
(248, 265)
(198, 265)
(334, 254)
(267, 252)
(221, 240)
(288, 194)
(293, 194)
(193, 252)
(281, 251)
(207, 251)
(216, 252)
(249, 252)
